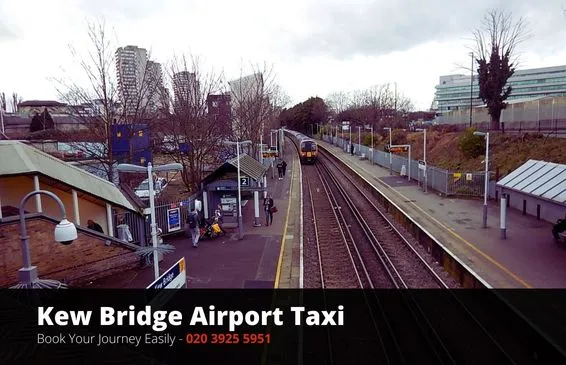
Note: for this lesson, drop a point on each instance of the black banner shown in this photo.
(87, 326)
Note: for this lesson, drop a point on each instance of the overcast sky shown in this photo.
(316, 46)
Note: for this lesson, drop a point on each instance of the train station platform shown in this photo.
(527, 258)
(266, 257)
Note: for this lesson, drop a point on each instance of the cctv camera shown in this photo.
(65, 232)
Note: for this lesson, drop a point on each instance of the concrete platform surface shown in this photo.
(528, 258)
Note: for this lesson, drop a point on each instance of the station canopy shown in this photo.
(539, 179)
(248, 166)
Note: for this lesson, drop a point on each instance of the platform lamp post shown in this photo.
(65, 233)
(390, 158)
(424, 159)
(372, 144)
(350, 130)
(2, 119)
(125, 167)
(240, 221)
(471, 86)
(486, 135)
(359, 138)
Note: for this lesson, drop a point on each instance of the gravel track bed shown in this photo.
(360, 244)
(337, 266)
(407, 263)
(311, 267)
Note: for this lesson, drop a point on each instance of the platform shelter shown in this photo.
(221, 188)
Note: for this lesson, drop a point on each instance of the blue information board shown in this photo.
(173, 219)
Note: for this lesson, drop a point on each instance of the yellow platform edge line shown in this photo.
(282, 250)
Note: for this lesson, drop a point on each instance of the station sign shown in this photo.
(396, 149)
(422, 165)
(270, 154)
(244, 181)
(174, 278)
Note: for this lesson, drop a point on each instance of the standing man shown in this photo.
(284, 165)
(351, 148)
(280, 169)
(193, 223)
(267, 205)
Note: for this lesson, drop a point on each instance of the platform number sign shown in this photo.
(244, 181)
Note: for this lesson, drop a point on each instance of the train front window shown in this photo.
(309, 146)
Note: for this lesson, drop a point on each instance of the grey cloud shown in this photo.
(128, 9)
(344, 30)
(6, 33)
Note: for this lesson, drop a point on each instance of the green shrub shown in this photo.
(471, 146)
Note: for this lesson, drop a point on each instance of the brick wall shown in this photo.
(87, 258)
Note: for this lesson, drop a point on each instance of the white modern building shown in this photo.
(245, 87)
(244, 93)
(457, 92)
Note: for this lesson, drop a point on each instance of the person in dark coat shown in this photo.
(284, 165)
(352, 148)
(267, 206)
(280, 169)
(94, 226)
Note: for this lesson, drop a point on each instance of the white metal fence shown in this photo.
(140, 226)
(448, 183)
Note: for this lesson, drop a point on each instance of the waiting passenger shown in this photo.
(280, 170)
(268, 206)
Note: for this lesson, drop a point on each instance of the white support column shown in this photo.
(36, 187)
(205, 204)
(265, 186)
(109, 219)
(409, 169)
(256, 209)
(503, 216)
(76, 207)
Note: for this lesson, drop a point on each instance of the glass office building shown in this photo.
(453, 91)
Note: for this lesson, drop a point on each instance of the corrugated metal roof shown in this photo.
(249, 166)
(540, 179)
(19, 158)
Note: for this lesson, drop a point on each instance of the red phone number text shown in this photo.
(227, 338)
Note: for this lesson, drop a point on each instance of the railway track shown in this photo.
(378, 338)
(401, 326)
(380, 272)
(334, 260)
(381, 240)
(431, 331)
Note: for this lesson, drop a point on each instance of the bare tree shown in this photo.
(16, 100)
(380, 104)
(337, 101)
(192, 129)
(358, 98)
(253, 99)
(495, 45)
(101, 105)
